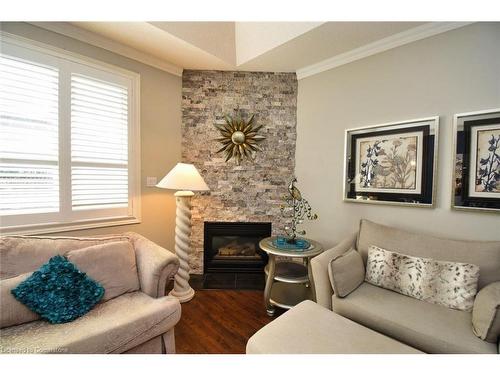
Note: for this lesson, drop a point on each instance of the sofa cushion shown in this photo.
(346, 272)
(486, 255)
(449, 284)
(12, 311)
(111, 264)
(153, 346)
(486, 313)
(111, 327)
(22, 254)
(422, 325)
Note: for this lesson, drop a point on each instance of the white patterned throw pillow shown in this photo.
(444, 283)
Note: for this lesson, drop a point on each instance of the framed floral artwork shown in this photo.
(392, 163)
(476, 160)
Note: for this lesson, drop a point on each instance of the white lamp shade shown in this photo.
(183, 177)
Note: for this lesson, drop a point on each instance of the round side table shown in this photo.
(287, 282)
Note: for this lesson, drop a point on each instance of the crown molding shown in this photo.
(393, 41)
(94, 39)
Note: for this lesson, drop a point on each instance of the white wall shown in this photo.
(454, 72)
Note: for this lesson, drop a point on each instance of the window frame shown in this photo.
(68, 219)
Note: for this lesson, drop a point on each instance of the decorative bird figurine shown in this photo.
(294, 192)
(297, 209)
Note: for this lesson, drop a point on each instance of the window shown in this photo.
(69, 136)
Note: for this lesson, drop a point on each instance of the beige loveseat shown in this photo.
(135, 317)
(428, 327)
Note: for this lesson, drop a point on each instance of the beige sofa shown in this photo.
(136, 318)
(425, 326)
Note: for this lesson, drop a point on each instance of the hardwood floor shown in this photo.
(220, 321)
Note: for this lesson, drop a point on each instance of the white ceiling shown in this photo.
(302, 47)
(156, 41)
(327, 40)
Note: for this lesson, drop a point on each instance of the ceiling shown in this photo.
(322, 42)
(302, 47)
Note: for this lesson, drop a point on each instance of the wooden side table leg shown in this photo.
(269, 284)
(311, 281)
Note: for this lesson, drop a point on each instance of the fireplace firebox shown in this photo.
(234, 247)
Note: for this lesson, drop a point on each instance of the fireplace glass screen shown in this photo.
(234, 247)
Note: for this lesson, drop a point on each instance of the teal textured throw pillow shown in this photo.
(58, 291)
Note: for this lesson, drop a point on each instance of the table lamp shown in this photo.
(184, 178)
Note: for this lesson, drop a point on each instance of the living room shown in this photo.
(277, 185)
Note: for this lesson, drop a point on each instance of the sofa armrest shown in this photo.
(155, 265)
(319, 265)
(486, 313)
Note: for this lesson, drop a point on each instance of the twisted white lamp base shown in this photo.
(182, 290)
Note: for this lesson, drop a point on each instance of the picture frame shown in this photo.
(476, 161)
(393, 163)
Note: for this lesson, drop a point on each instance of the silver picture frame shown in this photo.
(457, 178)
(432, 125)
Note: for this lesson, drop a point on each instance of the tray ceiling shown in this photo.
(302, 47)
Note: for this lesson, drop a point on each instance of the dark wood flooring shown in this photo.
(220, 321)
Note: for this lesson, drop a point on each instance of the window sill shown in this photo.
(59, 227)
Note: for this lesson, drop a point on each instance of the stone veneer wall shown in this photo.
(251, 191)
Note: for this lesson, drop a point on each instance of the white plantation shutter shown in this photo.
(99, 144)
(68, 128)
(29, 174)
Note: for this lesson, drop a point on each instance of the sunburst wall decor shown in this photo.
(239, 138)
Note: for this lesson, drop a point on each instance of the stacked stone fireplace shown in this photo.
(250, 192)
